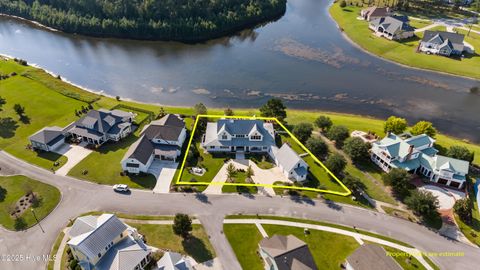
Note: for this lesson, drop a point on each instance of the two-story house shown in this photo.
(417, 154)
(100, 126)
(161, 140)
(104, 243)
(232, 135)
(392, 28)
(291, 164)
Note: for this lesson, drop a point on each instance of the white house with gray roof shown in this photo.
(162, 140)
(232, 135)
(106, 243)
(417, 154)
(291, 164)
(100, 126)
(391, 28)
(174, 261)
(442, 43)
(281, 252)
(48, 139)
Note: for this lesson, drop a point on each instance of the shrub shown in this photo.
(463, 208)
(323, 122)
(343, 3)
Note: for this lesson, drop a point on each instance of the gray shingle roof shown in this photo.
(48, 135)
(236, 126)
(101, 122)
(455, 40)
(169, 120)
(289, 252)
(391, 24)
(140, 150)
(372, 257)
(169, 133)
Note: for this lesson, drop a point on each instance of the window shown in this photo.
(99, 255)
(212, 147)
(256, 137)
(224, 137)
(240, 136)
(133, 165)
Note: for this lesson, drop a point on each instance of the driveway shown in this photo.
(445, 198)
(210, 210)
(221, 177)
(163, 172)
(74, 153)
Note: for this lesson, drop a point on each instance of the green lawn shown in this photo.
(407, 263)
(471, 231)
(162, 236)
(103, 166)
(14, 187)
(263, 161)
(43, 107)
(401, 52)
(419, 23)
(240, 178)
(244, 239)
(329, 250)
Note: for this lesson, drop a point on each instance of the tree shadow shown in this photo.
(333, 205)
(144, 179)
(3, 194)
(25, 119)
(8, 126)
(197, 249)
(202, 198)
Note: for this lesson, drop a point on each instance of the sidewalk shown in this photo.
(358, 236)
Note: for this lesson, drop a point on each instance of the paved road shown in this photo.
(79, 197)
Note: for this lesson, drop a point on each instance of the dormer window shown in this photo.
(224, 137)
(256, 137)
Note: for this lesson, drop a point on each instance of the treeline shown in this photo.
(182, 20)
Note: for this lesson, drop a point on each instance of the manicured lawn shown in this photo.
(103, 166)
(14, 187)
(240, 178)
(471, 231)
(162, 236)
(263, 161)
(43, 107)
(329, 250)
(419, 23)
(401, 52)
(319, 223)
(244, 239)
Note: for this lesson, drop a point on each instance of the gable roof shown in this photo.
(372, 257)
(91, 243)
(168, 133)
(48, 135)
(140, 150)
(124, 255)
(453, 40)
(242, 127)
(83, 225)
(173, 261)
(391, 24)
(420, 140)
(289, 252)
(169, 120)
(288, 158)
(457, 165)
(100, 122)
(375, 11)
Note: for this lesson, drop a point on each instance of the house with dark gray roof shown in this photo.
(391, 28)
(100, 126)
(417, 154)
(442, 43)
(48, 139)
(160, 140)
(232, 135)
(281, 252)
(371, 257)
(106, 243)
(291, 164)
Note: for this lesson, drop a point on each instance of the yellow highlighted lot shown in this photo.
(347, 192)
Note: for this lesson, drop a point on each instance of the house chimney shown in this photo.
(410, 151)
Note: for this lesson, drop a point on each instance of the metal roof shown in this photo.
(287, 157)
(173, 261)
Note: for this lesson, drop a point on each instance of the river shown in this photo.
(302, 58)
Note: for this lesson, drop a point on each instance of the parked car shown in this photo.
(121, 188)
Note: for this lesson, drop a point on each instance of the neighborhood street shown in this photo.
(79, 197)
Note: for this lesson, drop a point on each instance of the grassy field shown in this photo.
(240, 177)
(162, 236)
(420, 23)
(14, 187)
(401, 52)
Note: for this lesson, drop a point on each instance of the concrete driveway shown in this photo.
(164, 172)
(74, 153)
(445, 198)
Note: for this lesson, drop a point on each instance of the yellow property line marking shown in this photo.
(179, 182)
